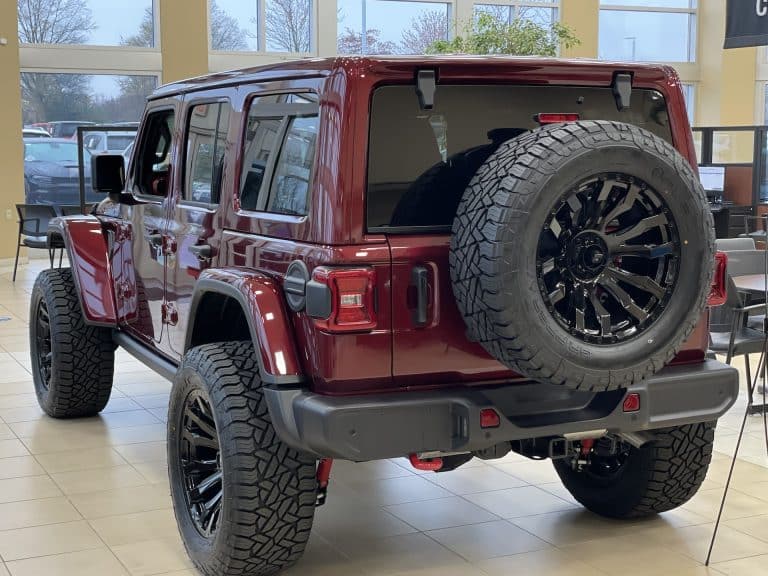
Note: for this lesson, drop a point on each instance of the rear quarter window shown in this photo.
(412, 149)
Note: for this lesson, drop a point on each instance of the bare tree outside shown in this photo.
(145, 35)
(54, 96)
(425, 29)
(288, 25)
(54, 21)
(226, 33)
(351, 42)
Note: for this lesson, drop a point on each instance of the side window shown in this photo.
(290, 184)
(153, 162)
(260, 140)
(206, 144)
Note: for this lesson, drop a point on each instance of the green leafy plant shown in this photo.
(490, 35)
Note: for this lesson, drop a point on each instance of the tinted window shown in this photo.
(153, 162)
(420, 162)
(290, 185)
(206, 144)
(260, 141)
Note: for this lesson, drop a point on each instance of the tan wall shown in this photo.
(11, 151)
(583, 17)
(184, 38)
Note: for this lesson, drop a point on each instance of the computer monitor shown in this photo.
(712, 178)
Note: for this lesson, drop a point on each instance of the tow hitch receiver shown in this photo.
(323, 477)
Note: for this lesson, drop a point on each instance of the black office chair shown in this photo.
(730, 332)
(33, 229)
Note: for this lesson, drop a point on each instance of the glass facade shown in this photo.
(87, 22)
(391, 26)
(648, 30)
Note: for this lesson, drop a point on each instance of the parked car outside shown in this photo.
(67, 128)
(34, 133)
(51, 172)
(109, 142)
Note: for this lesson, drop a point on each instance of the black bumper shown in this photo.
(396, 424)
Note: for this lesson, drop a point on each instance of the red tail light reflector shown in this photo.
(717, 293)
(489, 418)
(352, 301)
(556, 118)
(632, 402)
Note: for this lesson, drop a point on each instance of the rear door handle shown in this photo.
(420, 280)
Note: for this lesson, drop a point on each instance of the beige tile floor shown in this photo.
(90, 498)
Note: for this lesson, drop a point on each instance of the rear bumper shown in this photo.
(396, 424)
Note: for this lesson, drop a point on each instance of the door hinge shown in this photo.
(170, 314)
(169, 245)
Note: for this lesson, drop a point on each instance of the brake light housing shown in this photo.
(717, 293)
(344, 299)
(556, 117)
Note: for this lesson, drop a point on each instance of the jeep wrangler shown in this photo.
(364, 258)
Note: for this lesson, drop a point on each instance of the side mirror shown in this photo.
(108, 173)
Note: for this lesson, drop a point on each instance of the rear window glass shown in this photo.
(420, 161)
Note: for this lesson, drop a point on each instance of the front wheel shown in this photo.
(629, 482)
(72, 362)
(244, 501)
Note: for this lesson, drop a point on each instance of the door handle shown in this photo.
(420, 280)
(202, 251)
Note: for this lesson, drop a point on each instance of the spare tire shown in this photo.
(582, 254)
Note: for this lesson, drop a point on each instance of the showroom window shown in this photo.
(689, 91)
(261, 25)
(90, 22)
(391, 26)
(544, 12)
(99, 98)
(648, 30)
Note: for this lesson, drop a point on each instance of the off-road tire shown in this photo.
(82, 356)
(496, 232)
(657, 477)
(269, 489)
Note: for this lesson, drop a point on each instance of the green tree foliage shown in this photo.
(491, 35)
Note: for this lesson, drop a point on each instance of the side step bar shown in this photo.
(152, 360)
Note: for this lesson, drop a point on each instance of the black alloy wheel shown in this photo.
(44, 351)
(201, 463)
(608, 258)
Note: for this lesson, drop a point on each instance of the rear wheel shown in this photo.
(631, 482)
(244, 501)
(72, 362)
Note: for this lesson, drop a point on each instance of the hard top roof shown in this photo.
(314, 67)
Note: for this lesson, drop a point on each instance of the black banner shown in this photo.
(746, 23)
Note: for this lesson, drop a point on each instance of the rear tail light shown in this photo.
(719, 280)
(556, 118)
(350, 295)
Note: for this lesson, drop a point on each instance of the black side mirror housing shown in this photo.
(108, 173)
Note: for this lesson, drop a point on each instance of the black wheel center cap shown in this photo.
(587, 255)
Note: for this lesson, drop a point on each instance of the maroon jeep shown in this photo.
(366, 258)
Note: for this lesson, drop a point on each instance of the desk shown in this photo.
(753, 284)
